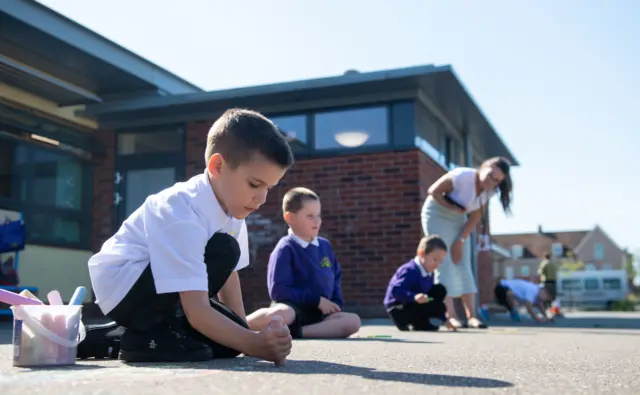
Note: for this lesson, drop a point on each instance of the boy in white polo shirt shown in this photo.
(159, 275)
(510, 293)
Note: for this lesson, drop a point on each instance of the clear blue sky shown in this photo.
(558, 80)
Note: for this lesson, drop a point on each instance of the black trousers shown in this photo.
(144, 310)
(418, 315)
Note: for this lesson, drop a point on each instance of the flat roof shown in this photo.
(439, 83)
(37, 37)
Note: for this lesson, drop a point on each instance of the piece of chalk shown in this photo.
(78, 296)
(27, 294)
(54, 298)
(12, 298)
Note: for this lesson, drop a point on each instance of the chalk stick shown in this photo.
(27, 294)
(12, 298)
(47, 349)
(78, 296)
(60, 329)
(54, 298)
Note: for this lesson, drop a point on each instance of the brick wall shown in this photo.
(103, 190)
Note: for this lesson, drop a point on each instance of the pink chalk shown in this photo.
(54, 298)
(14, 299)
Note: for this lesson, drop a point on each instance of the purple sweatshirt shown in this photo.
(300, 276)
(406, 283)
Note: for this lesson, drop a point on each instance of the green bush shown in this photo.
(623, 305)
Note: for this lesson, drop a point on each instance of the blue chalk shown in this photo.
(78, 296)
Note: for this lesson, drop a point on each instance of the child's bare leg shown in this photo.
(336, 325)
(261, 317)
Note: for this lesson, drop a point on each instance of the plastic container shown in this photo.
(45, 335)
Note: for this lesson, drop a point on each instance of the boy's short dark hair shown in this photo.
(431, 243)
(295, 198)
(239, 134)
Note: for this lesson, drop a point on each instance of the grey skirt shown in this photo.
(437, 219)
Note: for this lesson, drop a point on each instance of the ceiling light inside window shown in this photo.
(45, 139)
(352, 138)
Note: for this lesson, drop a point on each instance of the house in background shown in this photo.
(585, 249)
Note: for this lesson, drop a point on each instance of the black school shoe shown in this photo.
(101, 341)
(165, 344)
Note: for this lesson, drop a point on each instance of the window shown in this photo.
(557, 249)
(524, 271)
(598, 252)
(516, 251)
(352, 128)
(611, 283)
(294, 127)
(150, 142)
(8, 178)
(591, 284)
(570, 285)
(48, 186)
(589, 267)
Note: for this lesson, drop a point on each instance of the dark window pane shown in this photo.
(7, 159)
(612, 283)
(150, 142)
(351, 128)
(45, 227)
(56, 179)
(293, 126)
(591, 284)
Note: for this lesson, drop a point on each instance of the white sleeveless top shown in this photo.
(464, 189)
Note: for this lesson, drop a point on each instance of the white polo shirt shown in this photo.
(523, 290)
(170, 230)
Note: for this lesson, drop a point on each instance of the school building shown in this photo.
(88, 130)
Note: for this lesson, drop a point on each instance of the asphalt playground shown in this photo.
(584, 353)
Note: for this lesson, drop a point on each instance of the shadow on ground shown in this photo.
(330, 368)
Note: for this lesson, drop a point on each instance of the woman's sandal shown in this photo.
(453, 324)
(476, 323)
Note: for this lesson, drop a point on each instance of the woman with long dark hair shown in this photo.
(456, 203)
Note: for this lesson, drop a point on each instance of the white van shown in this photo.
(592, 288)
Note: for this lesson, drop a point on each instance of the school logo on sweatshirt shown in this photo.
(325, 262)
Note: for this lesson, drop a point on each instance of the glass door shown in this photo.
(147, 162)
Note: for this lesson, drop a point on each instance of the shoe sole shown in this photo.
(137, 356)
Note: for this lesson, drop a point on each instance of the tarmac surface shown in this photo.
(584, 353)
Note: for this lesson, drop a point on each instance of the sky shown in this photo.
(558, 81)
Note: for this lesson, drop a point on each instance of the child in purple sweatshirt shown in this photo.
(413, 300)
(304, 276)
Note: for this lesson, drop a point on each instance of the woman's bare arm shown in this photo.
(437, 190)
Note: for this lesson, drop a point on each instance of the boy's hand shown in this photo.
(421, 298)
(273, 342)
(328, 307)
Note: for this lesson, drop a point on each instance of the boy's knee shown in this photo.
(287, 313)
(438, 292)
(222, 250)
(351, 323)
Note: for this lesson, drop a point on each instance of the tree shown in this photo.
(630, 265)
